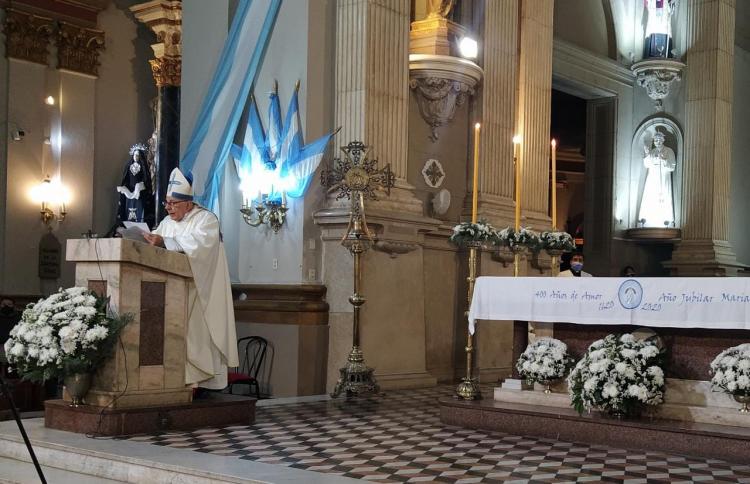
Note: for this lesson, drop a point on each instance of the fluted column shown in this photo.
(372, 85)
(533, 121)
(498, 108)
(705, 249)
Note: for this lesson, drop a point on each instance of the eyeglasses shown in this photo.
(168, 204)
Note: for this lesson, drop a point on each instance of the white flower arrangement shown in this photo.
(619, 375)
(525, 237)
(544, 360)
(68, 332)
(731, 370)
(466, 232)
(557, 241)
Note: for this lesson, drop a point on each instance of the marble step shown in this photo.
(139, 462)
(18, 472)
(551, 422)
(685, 400)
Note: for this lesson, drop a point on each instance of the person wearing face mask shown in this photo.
(576, 267)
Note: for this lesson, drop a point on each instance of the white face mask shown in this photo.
(576, 266)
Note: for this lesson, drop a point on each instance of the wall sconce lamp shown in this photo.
(266, 211)
(49, 100)
(49, 193)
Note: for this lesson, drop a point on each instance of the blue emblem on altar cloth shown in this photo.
(630, 294)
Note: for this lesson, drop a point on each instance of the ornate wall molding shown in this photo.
(27, 36)
(165, 20)
(78, 48)
(442, 84)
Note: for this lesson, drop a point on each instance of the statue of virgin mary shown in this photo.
(136, 201)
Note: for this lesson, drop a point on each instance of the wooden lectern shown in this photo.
(141, 389)
(150, 283)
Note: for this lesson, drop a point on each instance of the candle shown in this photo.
(554, 185)
(476, 175)
(517, 163)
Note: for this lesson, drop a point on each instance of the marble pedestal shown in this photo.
(151, 284)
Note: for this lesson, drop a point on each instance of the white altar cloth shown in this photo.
(682, 302)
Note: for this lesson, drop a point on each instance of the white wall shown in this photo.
(91, 126)
(295, 52)
(583, 23)
(123, 117)
(204, 29)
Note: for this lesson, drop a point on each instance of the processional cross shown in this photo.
(357, 177)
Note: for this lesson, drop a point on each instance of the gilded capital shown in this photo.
(27, 36)
(167, 71)
(164, 18)
(78, 48)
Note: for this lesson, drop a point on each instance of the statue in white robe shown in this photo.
(657, 205)
(211, 332)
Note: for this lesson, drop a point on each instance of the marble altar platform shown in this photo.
(556, 422)
(81, 460)
(141, 387)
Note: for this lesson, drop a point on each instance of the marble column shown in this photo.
(705, 248)
(372, 105)
(372, 86)
(533, 115)
(497, 106)
(164, 17)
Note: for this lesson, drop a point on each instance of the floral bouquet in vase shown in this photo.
(619, 375)
(518, 241)
(68, 333)
(731, 374)
(556, 242)
(544, 361)
(466, 233)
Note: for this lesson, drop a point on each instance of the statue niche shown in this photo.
(656, 169)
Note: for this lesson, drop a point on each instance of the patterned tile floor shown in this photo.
(398, 437)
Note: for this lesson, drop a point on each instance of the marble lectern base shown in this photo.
(216, 410)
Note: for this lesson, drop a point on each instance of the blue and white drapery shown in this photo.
(235, 76)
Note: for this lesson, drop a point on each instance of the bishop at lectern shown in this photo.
(211, 334)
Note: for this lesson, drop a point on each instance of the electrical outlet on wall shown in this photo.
(275, 264)
(311, 274)
(311, 244)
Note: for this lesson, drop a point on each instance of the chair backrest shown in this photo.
(252, 352)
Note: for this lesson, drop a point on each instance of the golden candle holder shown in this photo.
(468, 388)
(356, 178)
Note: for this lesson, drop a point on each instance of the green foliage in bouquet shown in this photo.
(466, 232)
(66, 333)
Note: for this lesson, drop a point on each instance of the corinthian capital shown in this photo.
(27, 36)
(78, 48)
(164, 18)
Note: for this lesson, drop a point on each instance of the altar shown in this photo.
(695, 318)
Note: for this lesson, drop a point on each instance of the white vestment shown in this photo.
(569, 273)
(657, 205)
(211, 333)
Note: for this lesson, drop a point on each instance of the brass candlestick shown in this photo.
(468, 389)
(355, 178)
